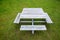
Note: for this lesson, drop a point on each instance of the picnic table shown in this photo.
(32, 13)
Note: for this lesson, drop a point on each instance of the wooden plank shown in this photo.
(31, 21)
(33, 10)
(17, 19)
(35, 27)
(32, 16)
(48, 19)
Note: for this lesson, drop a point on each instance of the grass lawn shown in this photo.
(11, 31)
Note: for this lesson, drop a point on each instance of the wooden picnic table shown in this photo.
(33, 13)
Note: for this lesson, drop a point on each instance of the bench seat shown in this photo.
(33, 27)
(17, 19)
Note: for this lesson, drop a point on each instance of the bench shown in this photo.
(32, 28)
(17, 19)
(48, 19)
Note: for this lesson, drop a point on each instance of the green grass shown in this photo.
(11, 31)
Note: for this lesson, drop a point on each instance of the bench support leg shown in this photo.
(32, 31)
(32, 26)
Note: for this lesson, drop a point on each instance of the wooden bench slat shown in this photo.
(17, 19)
(31, 21)
(34, 27)
(48, 19)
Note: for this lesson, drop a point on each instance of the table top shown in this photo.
(32, 13)
(32, 10)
